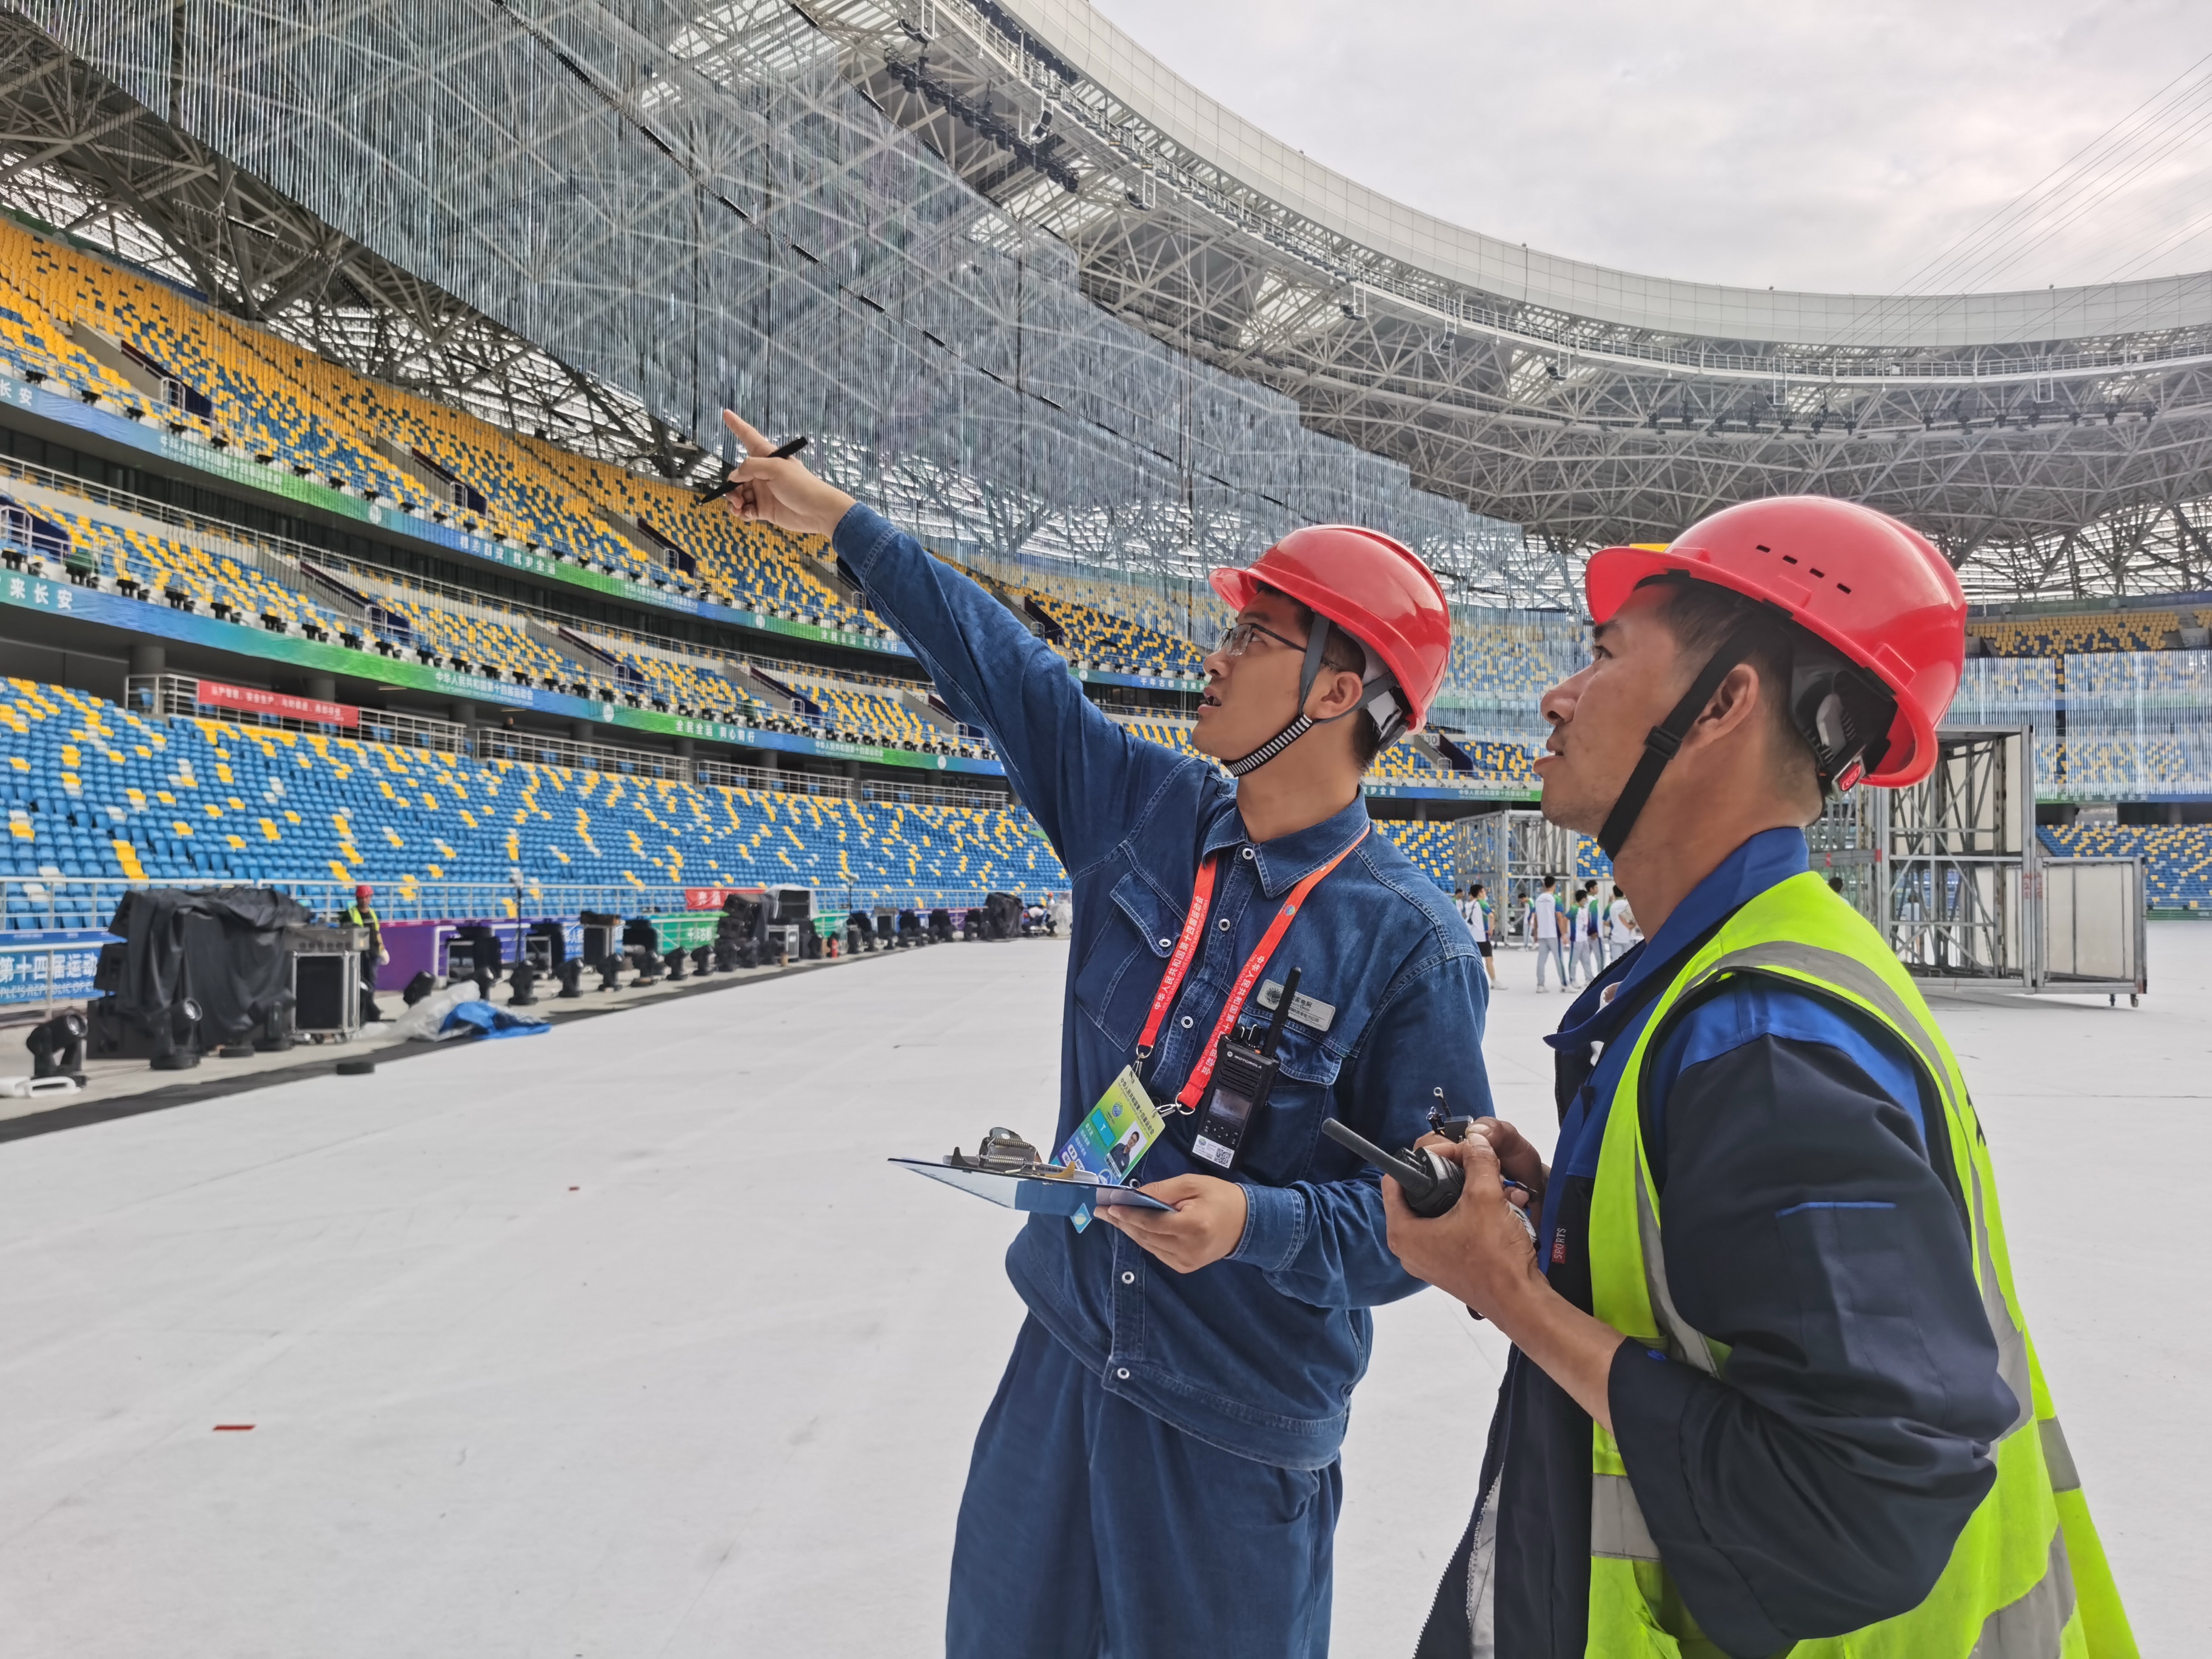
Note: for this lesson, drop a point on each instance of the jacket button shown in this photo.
(1186, 1021)
(1247, 852)
(1225, 924)
(1128, 1278)
(1123, 1374)
(1167, 945)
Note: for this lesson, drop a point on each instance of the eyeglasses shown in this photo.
(1237, 637)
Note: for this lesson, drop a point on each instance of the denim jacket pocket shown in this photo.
(1122, 964)
(1278, 1148)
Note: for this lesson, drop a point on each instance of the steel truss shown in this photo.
(2044, 466)
(606, 219)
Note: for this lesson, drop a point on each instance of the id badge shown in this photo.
(1115, 1134)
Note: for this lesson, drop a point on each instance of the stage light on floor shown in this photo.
(57, 1047)
(185, 1034)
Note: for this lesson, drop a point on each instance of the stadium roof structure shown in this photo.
(2052, 439)
(1033, 288)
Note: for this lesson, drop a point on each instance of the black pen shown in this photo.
(782, 452)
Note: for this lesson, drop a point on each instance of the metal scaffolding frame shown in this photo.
(1963, 893)
(1510, 852)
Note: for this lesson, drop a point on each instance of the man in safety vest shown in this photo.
(361, 914)
(1157, 1476)
(1771, 1387)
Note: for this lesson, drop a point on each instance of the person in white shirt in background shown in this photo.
(1587, 934)
(1622, 923)
(1477, 922)
(1544, 922)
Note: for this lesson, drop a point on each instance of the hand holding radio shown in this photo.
(1481, 1250)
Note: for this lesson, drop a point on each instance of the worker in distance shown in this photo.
(1158, 1475)
(1771, 1387)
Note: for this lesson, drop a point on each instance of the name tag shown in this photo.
(1309, 1012)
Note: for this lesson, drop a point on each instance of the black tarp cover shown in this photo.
(224, 947)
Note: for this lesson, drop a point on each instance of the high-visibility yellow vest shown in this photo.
(2027, 1577)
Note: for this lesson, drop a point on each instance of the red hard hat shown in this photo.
(1375, 589)
(1873, 589)
(364, 891)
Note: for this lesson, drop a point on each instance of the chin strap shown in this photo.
(1662, 742)
(1389, 721)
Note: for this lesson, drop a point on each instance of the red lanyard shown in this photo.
(1193, 925)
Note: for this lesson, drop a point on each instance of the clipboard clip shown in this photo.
(1004, 1152)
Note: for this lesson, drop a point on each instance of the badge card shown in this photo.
(1114, 1135)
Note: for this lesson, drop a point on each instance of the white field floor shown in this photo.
(622, 1342)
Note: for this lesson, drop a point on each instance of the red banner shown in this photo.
(711, 898)
(216, 694)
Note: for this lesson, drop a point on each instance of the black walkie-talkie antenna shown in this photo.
(1282, 1011)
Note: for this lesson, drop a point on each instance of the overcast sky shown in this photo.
(1800, 143)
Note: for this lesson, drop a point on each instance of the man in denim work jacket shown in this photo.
(1158, 1473)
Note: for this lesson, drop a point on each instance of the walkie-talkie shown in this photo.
(1431, 1184)
(1242, 1075)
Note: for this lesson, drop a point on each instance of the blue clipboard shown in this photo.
(1034, 1194)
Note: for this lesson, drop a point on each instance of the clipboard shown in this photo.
(1036, 1194)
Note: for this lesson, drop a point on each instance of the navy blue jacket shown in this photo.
(1257, 1354)
(1819, 1484)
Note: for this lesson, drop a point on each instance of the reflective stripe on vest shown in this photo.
(2009, 1589)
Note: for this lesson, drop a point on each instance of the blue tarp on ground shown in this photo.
(484, 1019)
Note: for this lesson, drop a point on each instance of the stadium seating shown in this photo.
(2177, 857)
(2059, 636)
(477, 644)
(1500, 761)
(1512, 660)
(1095, 638)
(1166, 733)
(856, 714)
(182, 574)
(693, 689)
(1432, 847)
(96, 792)
(1411, 762)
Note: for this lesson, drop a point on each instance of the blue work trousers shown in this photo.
(1090, 1527)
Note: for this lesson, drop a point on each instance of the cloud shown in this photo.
(1799, 144)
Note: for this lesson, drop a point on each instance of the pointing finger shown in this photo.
(755, 444)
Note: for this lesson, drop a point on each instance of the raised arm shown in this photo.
(1083, 777)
